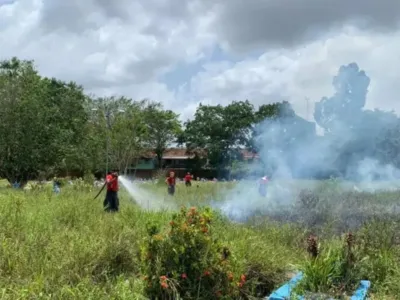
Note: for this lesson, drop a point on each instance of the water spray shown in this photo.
(144, 198)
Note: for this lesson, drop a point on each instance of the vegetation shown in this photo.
(66, 247)
(51, 127)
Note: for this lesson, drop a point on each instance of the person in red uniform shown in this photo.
(262, 188)
(188, 179)
(111, 203)
(171, 181)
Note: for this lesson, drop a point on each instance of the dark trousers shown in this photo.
(171, 190)
(262, 190)
(188, 183)
(111, 202)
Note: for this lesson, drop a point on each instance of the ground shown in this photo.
(65, 247)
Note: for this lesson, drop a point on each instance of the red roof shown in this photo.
(176, 153)
(180, 153)
(249, 154)
(171, 153)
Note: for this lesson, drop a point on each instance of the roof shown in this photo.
(181, 153)
(249, 154)
(171, 153)
(175, 153)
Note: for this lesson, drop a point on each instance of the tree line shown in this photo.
(48, 127)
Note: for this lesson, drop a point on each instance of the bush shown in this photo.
(64, 181)
(89, 178)
(186, 261)
(378, 241)
(338, 267)
(79, 185)
(34, 186)
(160, 177)
(334, 270)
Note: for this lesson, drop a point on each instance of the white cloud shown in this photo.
(307, 71)
(125, 47)
(115, 49)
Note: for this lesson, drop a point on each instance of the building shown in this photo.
(173, 158)
(249, 155)
(176, 159)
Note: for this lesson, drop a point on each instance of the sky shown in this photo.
(183, 53)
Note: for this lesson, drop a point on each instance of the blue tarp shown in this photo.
(285, 291)
(362, 291)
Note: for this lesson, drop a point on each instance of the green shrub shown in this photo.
(89, 178)
(79, 184)
(334, 270)
(379, 244)
(186, 261)
(338, 268)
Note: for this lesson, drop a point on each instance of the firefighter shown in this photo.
(56, 185)
(262, 186)
(111, 202)
(171, 182)
(188, 179)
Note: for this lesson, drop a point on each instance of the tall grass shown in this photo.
(65, 247)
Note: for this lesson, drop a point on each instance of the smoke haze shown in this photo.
(358, 148)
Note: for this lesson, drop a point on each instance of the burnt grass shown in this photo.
(336, 211)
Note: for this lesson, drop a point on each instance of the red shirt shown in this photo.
(188, 178)
(171, 180)
(113, 186)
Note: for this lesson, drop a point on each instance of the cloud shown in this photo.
(104, 46)
(295, 74)
(273, 50)
(245, 24)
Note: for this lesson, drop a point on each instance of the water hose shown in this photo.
(102, 188)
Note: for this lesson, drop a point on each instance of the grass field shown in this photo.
(65, 247)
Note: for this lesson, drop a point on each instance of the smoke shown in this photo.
(244, 200)
(144, 198)
(358, 147)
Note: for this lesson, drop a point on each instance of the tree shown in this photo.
(280, 136)
(387, 145)
(67, 121)
(375, 137)
(341, 116)
(162, 128)
(121, 121)
(344, 108)
(239, 169)
(128, 136)
(352, 132)
(221, 131)
(40, 120)
(265, 117)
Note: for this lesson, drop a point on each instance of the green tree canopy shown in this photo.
(163, 128)
(220, 130)
(120, 121)
(41, 121)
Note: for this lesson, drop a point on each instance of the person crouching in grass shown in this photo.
(171, 181)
